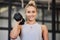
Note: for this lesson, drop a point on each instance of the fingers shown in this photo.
(14, 33)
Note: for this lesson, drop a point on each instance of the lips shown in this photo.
(31, 16)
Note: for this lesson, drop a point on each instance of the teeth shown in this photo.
(31, 17)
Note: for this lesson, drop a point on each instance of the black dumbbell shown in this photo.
(18, 17)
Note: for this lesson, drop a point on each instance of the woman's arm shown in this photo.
(15, 31)
(45, 32)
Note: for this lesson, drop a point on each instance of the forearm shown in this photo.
(13, 36)
(15, 32)
(46, 38)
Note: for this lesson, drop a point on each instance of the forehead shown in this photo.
(30, 8)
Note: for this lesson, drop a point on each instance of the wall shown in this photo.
(4, 23)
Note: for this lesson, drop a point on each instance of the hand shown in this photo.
(18, 22)
(15, 31)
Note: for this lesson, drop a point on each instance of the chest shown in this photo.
(31, 29)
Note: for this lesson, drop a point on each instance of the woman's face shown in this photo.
(31, 13)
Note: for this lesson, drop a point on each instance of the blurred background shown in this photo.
(48, 13)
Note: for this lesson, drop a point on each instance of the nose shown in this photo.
(31, 13)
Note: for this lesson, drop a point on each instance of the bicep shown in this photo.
(45, 32)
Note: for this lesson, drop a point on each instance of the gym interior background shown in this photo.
(48, 13)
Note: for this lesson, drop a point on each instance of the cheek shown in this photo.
(27, 14)
(35, 14)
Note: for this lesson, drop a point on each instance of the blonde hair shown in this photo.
(31, 3)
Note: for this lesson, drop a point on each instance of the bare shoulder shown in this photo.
(45, 32)
(44, 27)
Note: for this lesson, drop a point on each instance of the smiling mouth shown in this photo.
(31, 17)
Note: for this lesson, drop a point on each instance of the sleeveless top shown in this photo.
(31, 32)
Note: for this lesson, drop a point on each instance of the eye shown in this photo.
(28, 11)
(33, 11)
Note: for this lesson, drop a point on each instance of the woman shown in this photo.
(31, 30)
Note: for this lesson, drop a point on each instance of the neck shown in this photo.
(31, 22)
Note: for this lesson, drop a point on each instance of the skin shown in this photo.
(31, 14)
(15, 31)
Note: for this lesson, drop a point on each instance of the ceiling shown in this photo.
(58, 1)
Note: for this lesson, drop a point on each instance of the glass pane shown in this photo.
(47, 15)
(55, 15)
(4, 11)
(58, 8)
(3, 23)
(59, 26)
(57, 36)
(49, 26)
(50, 36)
(3, 35)
(59, 15)
(39, 16)
(56, 26)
